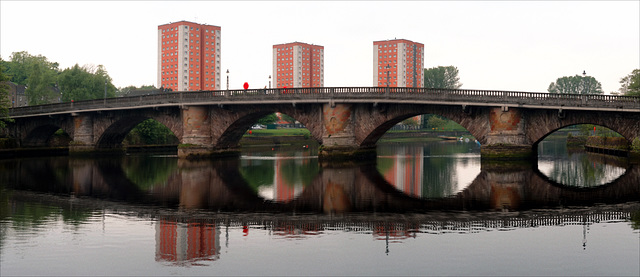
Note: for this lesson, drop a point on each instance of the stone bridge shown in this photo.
(346, 121)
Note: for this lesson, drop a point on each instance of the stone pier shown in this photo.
(506, 139)
(196, 136)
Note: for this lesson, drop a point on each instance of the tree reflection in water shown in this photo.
(577, 168)
(221, 185)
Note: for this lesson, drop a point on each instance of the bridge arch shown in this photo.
(545, 122)
(112, 128)
(113, 135)
(40, 135)
(375, 121)
(234, 122)
(235, 131)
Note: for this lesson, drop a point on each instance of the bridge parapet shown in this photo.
(346, 94)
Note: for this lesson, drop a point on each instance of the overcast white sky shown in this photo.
(500, 45)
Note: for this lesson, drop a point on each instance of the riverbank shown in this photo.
(617, 146)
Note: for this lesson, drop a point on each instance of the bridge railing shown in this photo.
(338, 93)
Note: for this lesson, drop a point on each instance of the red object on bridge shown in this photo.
(246, 85)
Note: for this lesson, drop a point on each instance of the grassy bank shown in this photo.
(278, 132)
(288, 135)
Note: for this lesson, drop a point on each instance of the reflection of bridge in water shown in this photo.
(220, 186)
(391, 229)
(194, 237)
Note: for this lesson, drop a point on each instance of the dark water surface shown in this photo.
(421, 209)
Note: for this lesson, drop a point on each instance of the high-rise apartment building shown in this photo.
(298, 65)
(188, 56)
(398, 63)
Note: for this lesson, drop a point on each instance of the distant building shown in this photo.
(298, 65)
(188, 56)
(17, 94)
(402, 59)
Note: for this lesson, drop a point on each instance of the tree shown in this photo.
(439, 77)
(442, 77)
(630, 84)
(268, 119)
(411, 121)
(132, 90)
(35, 72)
(151, 132)
(5, 101)
(21, 63)
(436, 121)
(41, 85)
(84, 83)
(576, 85)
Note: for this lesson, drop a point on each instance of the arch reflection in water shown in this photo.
(279, 175)
(429, 169)
(219, 185)
(575, 167)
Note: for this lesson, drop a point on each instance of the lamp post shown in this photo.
(388, 67)
(584, 82)
(269, 81)
(59, 93)
(227, 79)
(105, 88)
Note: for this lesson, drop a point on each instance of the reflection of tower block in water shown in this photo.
(187, 242)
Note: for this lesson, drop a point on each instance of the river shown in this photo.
(428, 208)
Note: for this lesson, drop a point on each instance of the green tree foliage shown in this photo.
(84, 83)
(269, 119)
(41, 86)
(439, 77)
(411, 121)
(287, 118)
(126, 91)
(273, 118)
(588, 130)
(47, 84)
(35, 72)
(22, 63)
(295, 172)
(258, 173)
(5, 99)
(435, 121)
(150, 132)
(576, 85)
(442, 77)
(630, 84)
(635, 145)
(147, 172)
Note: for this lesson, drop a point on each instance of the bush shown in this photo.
(635, 145)
(619, 143)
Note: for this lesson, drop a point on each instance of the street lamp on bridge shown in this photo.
(585, 83)
(388, 67)
(269, 81)
(227, 79)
